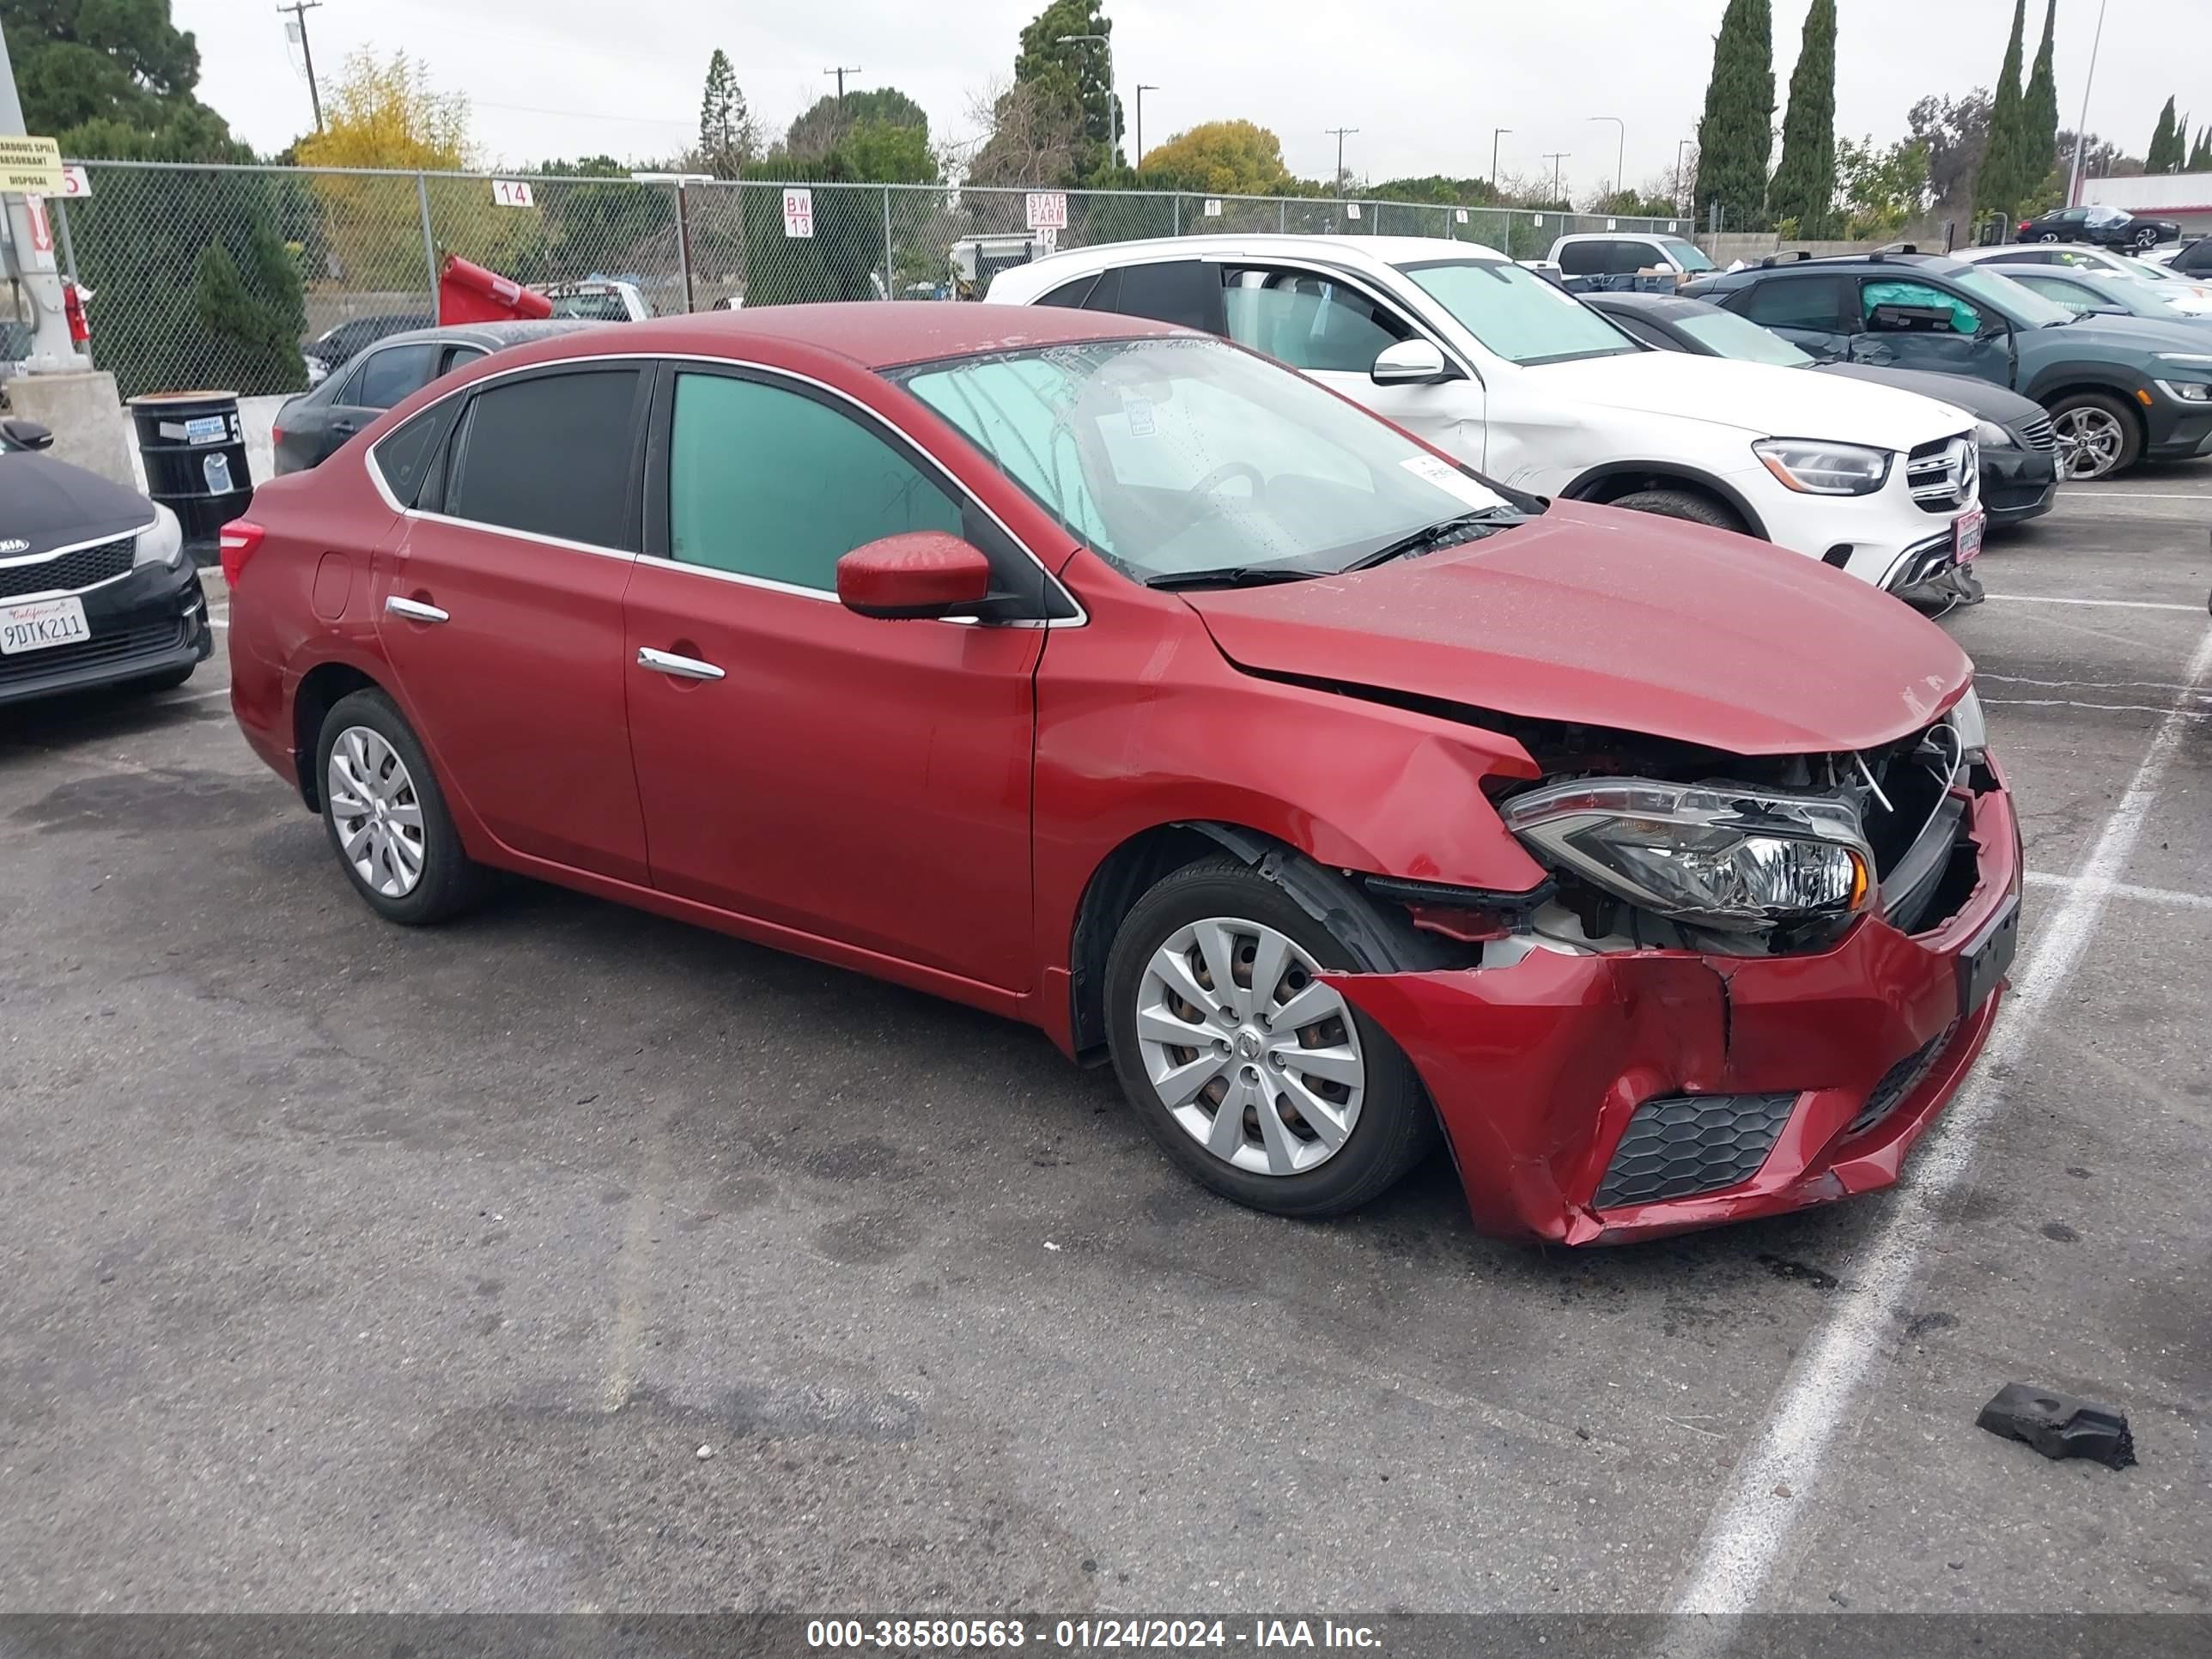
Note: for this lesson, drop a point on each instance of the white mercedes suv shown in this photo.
(1489, 361)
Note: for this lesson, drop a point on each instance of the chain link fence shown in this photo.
(217, 276)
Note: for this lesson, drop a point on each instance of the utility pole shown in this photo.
(1496, 133)
(1556, 156)
(300, 8)
(1620, 161)
(2081, 128)
(841, 72)
(1678, 147)
(1338, 133)
(52, 349)
(1139, 159)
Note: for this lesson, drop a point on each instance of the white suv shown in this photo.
(1493, 363)
(1626, 254)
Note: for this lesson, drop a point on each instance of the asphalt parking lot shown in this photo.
(351, 1268)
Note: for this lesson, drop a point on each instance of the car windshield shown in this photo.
(1171, 457)
(1688, 255)
(1519, 315)
(2024, 308)
(603, 306)
(1731, 336)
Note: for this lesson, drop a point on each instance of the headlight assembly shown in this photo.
(162, 542)
(2187, 391)
(1990, 435)
(1812, 468)
(1738, 860)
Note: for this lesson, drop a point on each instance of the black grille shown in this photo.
(1901, 1079)
(73, 570)
(2039, 433)
(1678, 1146)
(119, 646)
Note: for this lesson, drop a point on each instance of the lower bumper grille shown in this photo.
(1901, 1079)
(101, 649)
(1679, 1145)
(2039, 433)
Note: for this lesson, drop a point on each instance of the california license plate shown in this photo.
(1967, 533)
(41, 624)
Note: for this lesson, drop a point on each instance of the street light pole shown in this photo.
(1141, 90)
(2081, 128)
(1620, 160)
(1496, 133)
(1113, 110)
(1678, 147)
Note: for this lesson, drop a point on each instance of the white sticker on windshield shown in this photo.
(1444, 475)
(1139, 413)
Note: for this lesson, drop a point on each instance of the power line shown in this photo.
(1556, 156)
(841, 72)
(1338, 133)
(300, 8)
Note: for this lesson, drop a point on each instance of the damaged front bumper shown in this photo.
(1599, 1097)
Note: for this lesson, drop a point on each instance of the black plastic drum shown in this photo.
(194, 449)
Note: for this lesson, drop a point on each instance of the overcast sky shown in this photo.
(1424, 81)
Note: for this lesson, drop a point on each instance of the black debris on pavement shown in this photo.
(2058, 1426)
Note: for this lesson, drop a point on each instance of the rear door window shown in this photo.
(552, 455)
(1917, 309)
(1583, 258)
(393, 374)
(1309, 320)
(1183, 291)
(1806, 302)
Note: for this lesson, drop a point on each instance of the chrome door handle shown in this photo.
(682, 668)
(416, 611)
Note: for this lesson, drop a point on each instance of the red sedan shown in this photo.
(1112, 678)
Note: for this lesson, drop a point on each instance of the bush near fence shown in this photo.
(193, 265)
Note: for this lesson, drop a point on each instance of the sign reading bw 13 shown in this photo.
(31, 167)
(1048, 210)
(798, 213)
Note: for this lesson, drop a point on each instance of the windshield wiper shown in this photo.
(1464, 528)
(1231, 575)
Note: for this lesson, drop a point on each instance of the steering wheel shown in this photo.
(1228, 469)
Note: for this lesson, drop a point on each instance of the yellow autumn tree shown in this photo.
(1224, 158)
(387, 113)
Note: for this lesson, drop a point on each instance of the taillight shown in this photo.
(275, 434)
(240, 540)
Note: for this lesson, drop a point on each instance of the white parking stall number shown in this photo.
(512, 192)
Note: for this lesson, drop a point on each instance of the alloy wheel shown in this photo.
(378, 815)
(2091, 441)
(1253, 1056)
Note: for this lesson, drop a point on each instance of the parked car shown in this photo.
(992, 653)
(335, 346)
(1487, 360)
(1626, 253)
(2018, 446)
(2083, 290)
(2107, 227)
(2119, 389)
(598, 300)
(310, 427)
(2193, 261)
(95, 588)
(2179, 291)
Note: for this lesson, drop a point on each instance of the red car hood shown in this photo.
(1601, 617)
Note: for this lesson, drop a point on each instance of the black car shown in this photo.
(2018, 449)
(95, 589)
(2119, 390)
(2107, 227)
(2194, 260)
(312, 427)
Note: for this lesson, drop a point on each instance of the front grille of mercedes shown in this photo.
(67, 573)
(1941, 475)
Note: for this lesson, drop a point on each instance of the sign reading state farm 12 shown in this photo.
(1048, 210)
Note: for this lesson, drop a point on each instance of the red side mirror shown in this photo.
(922, 574)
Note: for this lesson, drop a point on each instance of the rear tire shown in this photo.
(1686, 504)
(2099, 437)
(1367, 1119)
(2145, 240)
(386, 818)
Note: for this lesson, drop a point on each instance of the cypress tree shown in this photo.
(1736, 136)
(2164, 152)
(2200, 158)
(2039, 119)
(1805, 184)
(1996, 182)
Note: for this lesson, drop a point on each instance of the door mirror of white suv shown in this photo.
(1411, 362)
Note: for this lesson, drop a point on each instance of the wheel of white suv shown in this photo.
(386, 818)
(1257, 1078)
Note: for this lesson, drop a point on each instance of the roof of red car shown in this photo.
(879, 334)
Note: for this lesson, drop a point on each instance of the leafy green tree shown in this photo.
(78, 61)
(1436, 188)
(253, 314)
(1735, 137)
(1881, 190)
(2165, 153)
(1954, 131)
(726, 136)
(1804, 186)
(2039, 116)
(1998, 184)
(1061, 113)
(823, 127)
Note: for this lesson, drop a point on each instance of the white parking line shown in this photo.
(2108, 605)
(2125, 890)
(1777, 1477)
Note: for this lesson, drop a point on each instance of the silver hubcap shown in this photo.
(2090, 443)
(379, 818)
(1252, 1056)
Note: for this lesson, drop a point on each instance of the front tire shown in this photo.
(1256, 1077)
(2145, 240)
(1683, 504)
(2098, 436)
(386, 818)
